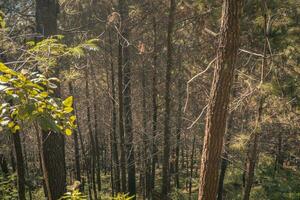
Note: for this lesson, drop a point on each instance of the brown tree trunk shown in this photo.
(154, 106)
(92, 139)
(53, 149)
(113, 138)
(76, 143)
(179, 118)
(121, 113)
(20, 165)
(167, 128)
(219, 99)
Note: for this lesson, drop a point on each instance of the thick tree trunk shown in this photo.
(53, 143)
(20, 165)
(219, 100)
(167, 128)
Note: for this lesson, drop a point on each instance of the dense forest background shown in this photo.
(103, 99)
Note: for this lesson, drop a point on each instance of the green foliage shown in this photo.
(29, 97)
(8, 189)
(122, 196)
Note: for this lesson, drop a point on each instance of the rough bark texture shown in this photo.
(219, 100)
(167, 129)
(53, 143)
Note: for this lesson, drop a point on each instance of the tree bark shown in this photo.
(20, 165)
(167, 128)
(154, 106)
(219, 99)
(53, 143)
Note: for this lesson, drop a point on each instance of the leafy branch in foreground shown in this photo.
(29, 97)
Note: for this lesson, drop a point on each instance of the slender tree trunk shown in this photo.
(114, 139)
(167, 128)
(121, 121)
(20, 165)
(219, 100)
(53, 149)
(76, 143)
(92, 139)
(96, 129)
(154, 106)
(179, 120)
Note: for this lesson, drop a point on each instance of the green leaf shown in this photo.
(68, 101)
(68, 109)
(68, 132)
(6, 70)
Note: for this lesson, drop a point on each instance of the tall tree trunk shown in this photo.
(20, 165)
(179, 116)
(75, 140)
(114, 139)
(167, 128)
(126, 63)
(97, 132)
(121, 113)
(154, 106)
(53, 143)
(219, 99)
(92, 139)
